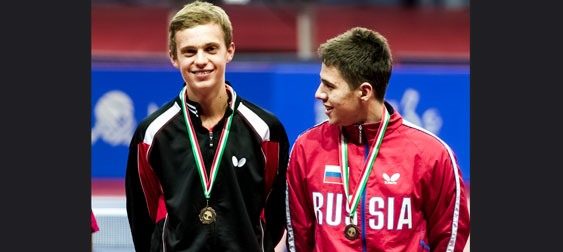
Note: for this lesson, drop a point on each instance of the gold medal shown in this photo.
(351, 232)
(207, 215)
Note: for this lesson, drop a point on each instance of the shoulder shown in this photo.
(265, 123)
(249, 109)
(164, 112)
(425, 140)
(322, 131)
(158, 119)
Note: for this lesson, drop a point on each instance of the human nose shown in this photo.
(320, 93)
(200, 57)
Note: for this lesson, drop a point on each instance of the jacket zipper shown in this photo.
(360, 132)
(211, 139)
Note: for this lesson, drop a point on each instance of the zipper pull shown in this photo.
(360, 132)
(211, 139)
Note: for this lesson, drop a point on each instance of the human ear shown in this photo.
(173, 59)
(366, 91)
(230, 52)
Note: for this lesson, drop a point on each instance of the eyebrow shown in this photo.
(215, 44)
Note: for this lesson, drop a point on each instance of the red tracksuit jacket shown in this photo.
(414, 199)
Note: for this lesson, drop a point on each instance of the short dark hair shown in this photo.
(361, 55)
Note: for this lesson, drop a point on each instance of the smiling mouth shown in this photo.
(202, 73)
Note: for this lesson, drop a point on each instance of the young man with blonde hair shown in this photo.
(206, 171)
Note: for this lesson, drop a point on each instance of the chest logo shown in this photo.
(237, 162)
(391, 180)
(332, 174)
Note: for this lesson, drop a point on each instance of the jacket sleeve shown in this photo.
(94, 222)
(300, 220)
(447, 206)
(275, 206)
(141, 210)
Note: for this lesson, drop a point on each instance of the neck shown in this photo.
(374, 110)
(213, 105)
(213, 102)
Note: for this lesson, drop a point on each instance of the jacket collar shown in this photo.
(360, 133)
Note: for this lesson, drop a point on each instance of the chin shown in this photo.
(332, 121)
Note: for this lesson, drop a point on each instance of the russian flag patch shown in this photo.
(333, 174)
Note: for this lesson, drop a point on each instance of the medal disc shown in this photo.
(351, 232)
(207, 215)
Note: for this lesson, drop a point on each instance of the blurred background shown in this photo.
(275, 66)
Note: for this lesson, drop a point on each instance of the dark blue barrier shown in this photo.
(434, 97)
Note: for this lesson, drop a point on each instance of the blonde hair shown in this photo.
(198, 13)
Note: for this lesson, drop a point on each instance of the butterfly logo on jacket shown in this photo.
(237, 162)
(391, 180)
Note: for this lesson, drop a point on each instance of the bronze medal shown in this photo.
(351, 232)
(207, 215)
